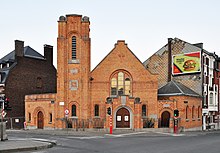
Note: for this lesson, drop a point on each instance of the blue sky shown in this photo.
(145, 25)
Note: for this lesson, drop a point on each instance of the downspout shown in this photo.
(169, 60)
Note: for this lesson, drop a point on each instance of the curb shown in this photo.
(50, 144)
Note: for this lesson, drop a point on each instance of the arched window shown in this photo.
(74, 47)
(96, 110)
(73, 110)
(193, 112)
(144, 111)
(187, 109)
(121, 84)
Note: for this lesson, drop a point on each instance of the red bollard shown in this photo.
(110, 124)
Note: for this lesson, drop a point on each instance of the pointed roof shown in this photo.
(121, 42)
(10, 57)
(28, 52)
(174, 88)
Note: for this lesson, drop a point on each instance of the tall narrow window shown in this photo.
(74, 47)
(199, 112)
(144, 113)
(51, 117)
(127, 86)
(114, 86)
(120, 83)
(187, 109)
(73, 110)
(29, 117)
(96, 110)
(193, 112)
(211, 98)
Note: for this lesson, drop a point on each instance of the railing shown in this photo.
(75, 123)
(14, 122)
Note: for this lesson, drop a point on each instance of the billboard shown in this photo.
(186, 63)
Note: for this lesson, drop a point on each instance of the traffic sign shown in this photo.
(3, 113)
(66, 111)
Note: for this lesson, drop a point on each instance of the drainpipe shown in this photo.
(169, 60)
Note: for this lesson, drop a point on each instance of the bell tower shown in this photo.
(73, 66)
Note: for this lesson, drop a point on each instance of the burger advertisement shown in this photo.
(186, 63)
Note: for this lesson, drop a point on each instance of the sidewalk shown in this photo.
(19, 145)
(101, 132)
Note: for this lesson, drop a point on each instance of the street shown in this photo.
(139, 142)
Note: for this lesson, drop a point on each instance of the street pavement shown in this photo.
(26, 140)
(20, 145)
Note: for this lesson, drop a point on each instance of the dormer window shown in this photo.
(8, 65)
(1, 66)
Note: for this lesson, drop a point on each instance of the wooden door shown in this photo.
(40, 120)
(165, 119)
(123, 118)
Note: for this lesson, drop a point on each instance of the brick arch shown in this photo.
(77, 108)
(73, 33)
(121, 70)
(36, 110)
(166, 109)
(131, 115)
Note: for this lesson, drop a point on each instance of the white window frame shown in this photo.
(212, 98)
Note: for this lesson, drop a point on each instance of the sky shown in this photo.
(145, 25)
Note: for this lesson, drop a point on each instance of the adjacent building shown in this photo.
(25, 71)
(193, 67)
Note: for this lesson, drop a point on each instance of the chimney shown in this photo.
(169, 59)
(48, 53)
(19, 48)
(200, 45)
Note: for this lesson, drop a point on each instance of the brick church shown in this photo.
(119, 82)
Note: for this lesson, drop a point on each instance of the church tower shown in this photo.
(73, 66)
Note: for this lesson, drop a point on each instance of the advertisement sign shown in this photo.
(186, 63)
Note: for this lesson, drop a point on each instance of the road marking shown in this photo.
(82, 138)
(125, 134)
(171, 134)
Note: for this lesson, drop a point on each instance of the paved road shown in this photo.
(143, 142)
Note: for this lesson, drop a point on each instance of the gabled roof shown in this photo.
(174, 88)
(119, 41)
(187, 49)
(28, 52)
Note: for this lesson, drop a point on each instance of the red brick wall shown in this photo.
(43, 103)
(180, 103)
(144, 84)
